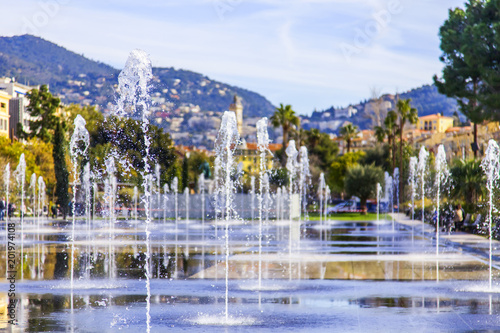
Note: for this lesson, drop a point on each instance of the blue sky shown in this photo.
(307, 53)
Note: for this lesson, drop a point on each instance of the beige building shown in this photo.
(434, 123)
(4, 113)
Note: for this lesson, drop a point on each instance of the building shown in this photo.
(17, 105)
(363, 141)
(4, 113)
(237, 108)
(435, 123)
(249, 156)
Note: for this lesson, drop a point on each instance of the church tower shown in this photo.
(237, 108)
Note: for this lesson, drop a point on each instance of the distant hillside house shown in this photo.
(365, 140)
(346, 113)
(435, 123)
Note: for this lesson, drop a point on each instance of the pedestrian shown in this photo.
(2, 209)
(458, 218)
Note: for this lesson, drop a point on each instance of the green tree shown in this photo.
(361, 181)
(338, 169)
(42, 108)
(348, 132)
(405, 114)
(285, 118)
(469, 180)
(465, 54)
(60, 168)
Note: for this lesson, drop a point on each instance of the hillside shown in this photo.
(426, 99)
(76, 79)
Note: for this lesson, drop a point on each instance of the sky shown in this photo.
(311, 54)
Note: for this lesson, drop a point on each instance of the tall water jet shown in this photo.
(321, 190)
(227, 140)
(388, 193)
(88, 218)
(304, 178)
(263, 147)
(379, 191)
(78, 148)
(33, 180)
(441, 178)
(186, 202)
(133, 83)
(412, 178)
(395, 178)
(291, 167)
(201, 190)
(175, 188)
(20, 178)
(491, 167)
(41, 203)
(252, 198)
(110, 195)
(421, 170)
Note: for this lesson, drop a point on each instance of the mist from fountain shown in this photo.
(491, 167)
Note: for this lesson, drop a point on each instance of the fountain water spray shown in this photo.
(421, 169)
(263, 147)
(227, 140)
(110, 195)
(441, 178)
(321, 190)
(304, 178)
(175, 188)
(33, 194)
(491, 167)
(88, 223)
(20, 174)
(134, 99)
(78, 148)
(41, 203)
(201, 190)
(395, 178)
(412, 180)
(252, 193)
(379, 191)
(291, 166)
(388, 193)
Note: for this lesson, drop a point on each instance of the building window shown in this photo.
(2, 105)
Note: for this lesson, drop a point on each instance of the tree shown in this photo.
(285, 117)
(338, 170)
(60, 169)
(361, 181)
(185, 174)
(42, 109)
(406, 114)
(389, 130)
(349, 132)
(469, 180)
(464, 55)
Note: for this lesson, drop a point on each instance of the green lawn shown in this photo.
(351, 217)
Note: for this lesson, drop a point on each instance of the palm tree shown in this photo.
(469, 180)
(285, 117)
(389, 130)
(406, 114)
(349, 132)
